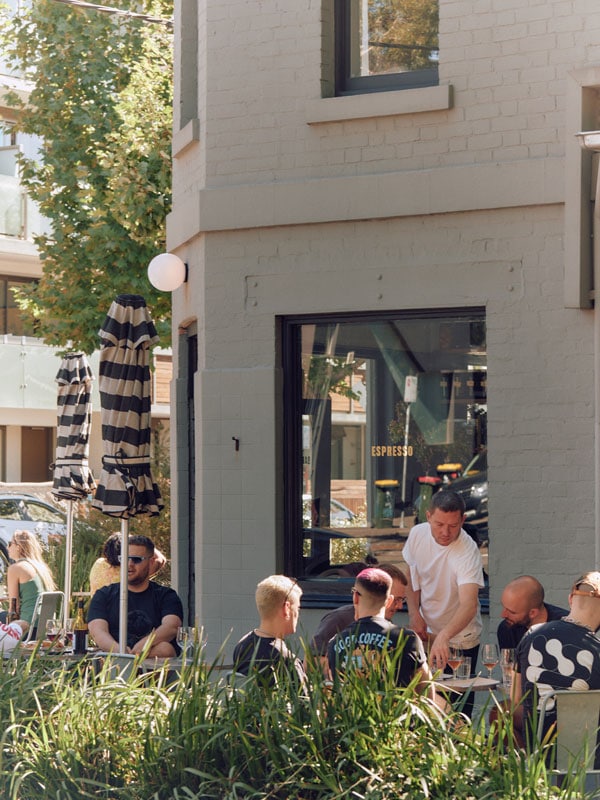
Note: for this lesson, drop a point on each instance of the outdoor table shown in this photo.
(461, 685)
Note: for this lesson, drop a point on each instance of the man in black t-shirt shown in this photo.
(339, 618)
(372, 642)
(523, 606)
(262, 651)
(152, 610)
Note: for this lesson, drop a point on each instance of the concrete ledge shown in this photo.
(379, 104)
(445, 190)
(187, 136)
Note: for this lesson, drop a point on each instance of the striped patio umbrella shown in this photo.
(125, 487)
(72, 477)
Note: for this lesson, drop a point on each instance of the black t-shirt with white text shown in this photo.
(363, 645)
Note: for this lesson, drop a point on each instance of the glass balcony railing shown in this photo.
(12, 207)
(19, 216)
(29, 373)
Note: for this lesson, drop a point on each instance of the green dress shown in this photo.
(28, 594)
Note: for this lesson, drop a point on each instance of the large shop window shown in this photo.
(380, 411)
(383, 45)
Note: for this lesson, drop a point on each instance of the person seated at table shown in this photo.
(154, 611)
(523, 605)
(335, 621)
(561, 654)
(107, 569)
(263, 651)
(11, 634)
(28, 575)
(372, 640)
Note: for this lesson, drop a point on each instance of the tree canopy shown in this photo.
(101, 102)
(403, 34)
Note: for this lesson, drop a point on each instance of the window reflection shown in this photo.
(387, 411)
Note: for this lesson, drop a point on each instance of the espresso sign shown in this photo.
(390, 450)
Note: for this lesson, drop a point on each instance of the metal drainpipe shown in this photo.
(590, 140)
(596, 299)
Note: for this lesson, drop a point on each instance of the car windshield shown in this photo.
(9, 510)
(477, 464)
(41, 513)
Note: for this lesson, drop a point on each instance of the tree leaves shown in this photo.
(101, 101)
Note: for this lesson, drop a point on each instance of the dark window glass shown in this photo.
(385, 44)
(380, 411)
(12, 320)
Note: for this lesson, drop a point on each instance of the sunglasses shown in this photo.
(136, 559)
(291, 589)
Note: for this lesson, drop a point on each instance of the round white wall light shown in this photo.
(167, 272)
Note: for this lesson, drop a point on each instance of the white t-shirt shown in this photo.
(437, 572)
(10, 636)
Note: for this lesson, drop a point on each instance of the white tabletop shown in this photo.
(476, 684)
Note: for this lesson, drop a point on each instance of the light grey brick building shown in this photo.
(361, 200)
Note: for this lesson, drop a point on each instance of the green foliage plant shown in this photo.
(71, 731)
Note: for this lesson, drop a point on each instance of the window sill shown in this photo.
(186, 137)
(379, 104)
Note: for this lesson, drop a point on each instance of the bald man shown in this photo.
(523, 606)
(561, 654)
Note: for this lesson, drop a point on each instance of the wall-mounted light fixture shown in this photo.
(167, 272)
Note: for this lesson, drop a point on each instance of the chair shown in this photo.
(120, 665)
(47, 606)
(577, 726)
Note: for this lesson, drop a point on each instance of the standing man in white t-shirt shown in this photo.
(446, 572)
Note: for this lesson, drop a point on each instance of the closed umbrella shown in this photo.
(72, 477)
(125, 487)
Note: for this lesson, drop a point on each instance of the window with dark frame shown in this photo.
(380, 411)
(12, 321)
(384, 45)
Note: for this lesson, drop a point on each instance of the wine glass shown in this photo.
(455, 658)
(69, 631)
(52, 629)
(490, 657)
(186, 638)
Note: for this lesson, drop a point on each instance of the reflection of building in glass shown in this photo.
(385, 401)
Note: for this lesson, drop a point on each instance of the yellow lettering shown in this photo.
(382, 450)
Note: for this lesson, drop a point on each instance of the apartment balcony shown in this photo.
(28, 368)
(19, 216)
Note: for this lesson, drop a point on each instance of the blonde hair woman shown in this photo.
(28, 575)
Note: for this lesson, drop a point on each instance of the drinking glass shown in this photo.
(69, 632)
(490, 657)
(463, 671)
(455, 658)
(507, 659)
(52, 629)
(186, 639)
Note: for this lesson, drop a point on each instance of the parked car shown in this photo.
(472, 486)
(27, 512)
(340, 516)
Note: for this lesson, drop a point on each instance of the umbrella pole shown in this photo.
(123, 584)
(68, 559)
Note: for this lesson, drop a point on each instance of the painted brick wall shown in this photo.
(259, 68)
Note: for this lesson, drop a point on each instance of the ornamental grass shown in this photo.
(72, 731)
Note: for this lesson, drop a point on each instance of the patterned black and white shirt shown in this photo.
(556, 655)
